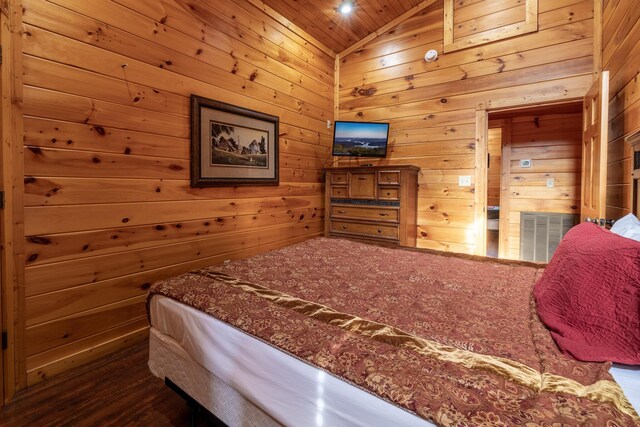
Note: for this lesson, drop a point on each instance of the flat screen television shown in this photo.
(360, 139)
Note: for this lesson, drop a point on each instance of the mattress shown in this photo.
(292, 392)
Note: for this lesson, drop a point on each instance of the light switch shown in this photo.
(525, 163)
(464, 180)
(551, 183)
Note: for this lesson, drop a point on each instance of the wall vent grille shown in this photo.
(540, 234)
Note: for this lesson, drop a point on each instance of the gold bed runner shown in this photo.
(600, 391)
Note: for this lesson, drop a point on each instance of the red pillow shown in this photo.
(589, 296)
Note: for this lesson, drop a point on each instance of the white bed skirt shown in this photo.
(168, 360)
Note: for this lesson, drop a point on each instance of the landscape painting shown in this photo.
(232, 145)
(238, 146)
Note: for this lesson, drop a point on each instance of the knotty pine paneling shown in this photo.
(432, 106)
(485, 15)
(108, 206)
(621, 56)
(553, 143)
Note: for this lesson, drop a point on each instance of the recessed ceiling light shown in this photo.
(346, 8)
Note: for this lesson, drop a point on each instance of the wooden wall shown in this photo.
(471, 18)
(621, 56)
(432, 107)
(108, 206)
(554, 144)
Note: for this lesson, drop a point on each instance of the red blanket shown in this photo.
(455, 340)
(589, 296)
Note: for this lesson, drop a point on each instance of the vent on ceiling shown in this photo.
(540, 234)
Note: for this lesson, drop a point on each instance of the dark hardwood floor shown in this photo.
(118, 390)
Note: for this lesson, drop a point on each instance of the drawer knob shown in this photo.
(383, 214)
(344, 227)
(379, 230)
(362, 178)
(388, 178)
(341, 211)
(388, 194)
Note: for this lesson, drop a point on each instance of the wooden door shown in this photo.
(3, 90)
(12, 360)
(594, 149)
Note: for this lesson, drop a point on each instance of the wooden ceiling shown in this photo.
(321, 19)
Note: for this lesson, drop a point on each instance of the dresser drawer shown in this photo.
(388, 193)
(362, 185)
(383, 231)
(389, 177)
(339, 178)
(339, 192)
(367, 213)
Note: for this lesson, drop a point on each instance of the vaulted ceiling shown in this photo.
(321, 19)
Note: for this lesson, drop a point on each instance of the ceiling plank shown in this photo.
(330, 9)
(321, 19)
(382, 13)
(408, 14)
(308, 19)
(291, 26)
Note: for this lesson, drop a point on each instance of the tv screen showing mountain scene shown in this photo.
(360, 139)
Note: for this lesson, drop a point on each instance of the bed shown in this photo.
(332, 332)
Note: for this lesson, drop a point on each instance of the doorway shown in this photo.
(534, 162)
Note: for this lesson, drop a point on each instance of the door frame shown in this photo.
(481, 170)
(505, 167)
(481, 178)
(12, 265)
(3, 289)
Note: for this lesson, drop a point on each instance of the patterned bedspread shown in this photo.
(455, 340)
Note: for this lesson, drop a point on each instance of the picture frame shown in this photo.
(231, 145)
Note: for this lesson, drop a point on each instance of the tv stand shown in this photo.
(378, 203)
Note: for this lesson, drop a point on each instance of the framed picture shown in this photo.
(231, 145)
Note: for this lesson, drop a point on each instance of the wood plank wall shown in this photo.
(431, 107)
(621, 56)
(553, 143)
(108, 206)
(472, 18)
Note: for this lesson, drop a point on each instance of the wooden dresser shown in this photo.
(373, 203)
